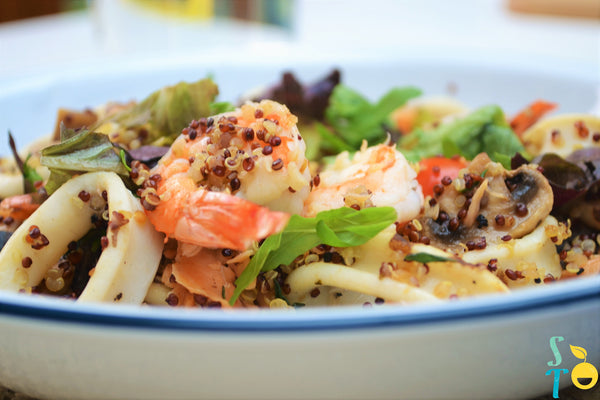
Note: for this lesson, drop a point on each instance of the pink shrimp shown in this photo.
(377, 175)
(230, 180)
(588, 268)
(16, 209)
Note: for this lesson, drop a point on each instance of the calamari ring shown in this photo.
(126, 266)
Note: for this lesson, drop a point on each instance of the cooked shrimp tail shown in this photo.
(230, 180)
(207, 218)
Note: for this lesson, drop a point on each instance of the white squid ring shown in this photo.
(126, 266)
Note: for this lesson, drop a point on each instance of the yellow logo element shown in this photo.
(583, 371)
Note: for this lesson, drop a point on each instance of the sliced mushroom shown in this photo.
(488, 204)
(129, 261)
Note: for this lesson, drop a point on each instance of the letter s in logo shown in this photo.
(557, 356)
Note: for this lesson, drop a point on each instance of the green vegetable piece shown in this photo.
(57, 178)
(123, 157)
(221, 107)
(167, 111)
(426, 258)
(30, 175)
(355, 119)
(484, 130)
(278, 292)
(85, 151)
(312, 140)
(342, 227)
(330, 142)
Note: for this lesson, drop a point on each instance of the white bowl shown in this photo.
(485, 348)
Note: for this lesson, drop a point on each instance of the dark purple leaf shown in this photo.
(309, 101)
(517, 160)
(149, 155)
(573, 177)
(588, 160)
(317, 95)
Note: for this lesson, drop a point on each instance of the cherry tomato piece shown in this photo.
(433, 170)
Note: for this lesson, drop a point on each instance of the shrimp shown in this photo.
(208, 275)
(230, 180)
(16, 209)
(376, 176)
(588, 268)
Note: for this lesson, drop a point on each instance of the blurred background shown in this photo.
(45, 34)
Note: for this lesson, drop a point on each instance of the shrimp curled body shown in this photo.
(232, 179)
(375, 176)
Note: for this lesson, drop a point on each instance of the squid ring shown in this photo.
(127, 264)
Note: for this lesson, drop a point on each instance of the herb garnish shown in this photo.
(484, 130)
(30, 175)
(78, 152)
(342, 227)
(426, 258)
(354, 118)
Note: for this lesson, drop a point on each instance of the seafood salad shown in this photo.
(299, 195)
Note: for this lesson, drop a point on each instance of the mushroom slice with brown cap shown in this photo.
(487, 204)
(127, 264)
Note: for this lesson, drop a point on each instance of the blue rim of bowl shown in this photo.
(47, 309)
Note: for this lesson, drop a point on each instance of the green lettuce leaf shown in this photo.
(79, 152)
(164, 113)
(484, 130)
(220, 107)
(342, 227)
(355, 119)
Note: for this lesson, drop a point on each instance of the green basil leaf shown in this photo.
(349, 227)
(342, 227)
(426, 258)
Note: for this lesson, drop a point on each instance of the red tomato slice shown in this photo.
(432, 170)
